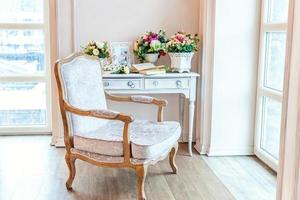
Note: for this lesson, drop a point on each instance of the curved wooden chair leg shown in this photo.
(172, 156)
(72, 171)
(141, 172)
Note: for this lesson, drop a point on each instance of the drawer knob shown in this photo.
(106, 84)
(155, 83)
(179, 83)
(131, 84)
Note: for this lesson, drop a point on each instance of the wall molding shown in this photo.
(203, 129)
(54, 56)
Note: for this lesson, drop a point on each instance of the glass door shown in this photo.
(24, 67)
(270, 80)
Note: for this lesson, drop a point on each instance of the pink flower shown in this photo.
(148, 39)
(180, 37)
(154, 36)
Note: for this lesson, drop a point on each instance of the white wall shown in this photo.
(119, 20)
(234, 81)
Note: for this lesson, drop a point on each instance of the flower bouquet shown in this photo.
(99, 49)
(181, 48)
(150, 46)
(122, 69)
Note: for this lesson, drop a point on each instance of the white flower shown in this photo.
(96, 52)
(135, 45)
(126, 70)
(155, 43)
(100, 44)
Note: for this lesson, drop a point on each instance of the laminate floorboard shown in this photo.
(246, 177)
(31, 169)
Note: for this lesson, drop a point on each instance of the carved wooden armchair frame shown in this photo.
(139, 166)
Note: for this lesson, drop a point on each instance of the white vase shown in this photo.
(151, 57)
(181, 62)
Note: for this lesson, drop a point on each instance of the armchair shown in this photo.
(104, 137)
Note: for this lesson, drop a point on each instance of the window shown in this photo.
(24, 67)
(270, 80)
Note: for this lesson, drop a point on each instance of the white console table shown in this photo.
(169, 83)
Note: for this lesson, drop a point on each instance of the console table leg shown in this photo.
(191, 125)
(181, 114)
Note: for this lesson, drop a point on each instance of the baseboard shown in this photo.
(231, 151)
(201, 149)
(59, 142)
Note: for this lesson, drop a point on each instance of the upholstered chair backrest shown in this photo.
(82, 86)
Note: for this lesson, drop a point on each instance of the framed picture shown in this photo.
(121, 53)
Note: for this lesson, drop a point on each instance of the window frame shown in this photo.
(45, 78)
(262, 91)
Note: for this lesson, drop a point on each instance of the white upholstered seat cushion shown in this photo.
(148, 139)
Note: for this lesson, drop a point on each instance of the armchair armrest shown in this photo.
(141, 99)
(100, 113)
(137, 99)
(111, 115)
(148, 100)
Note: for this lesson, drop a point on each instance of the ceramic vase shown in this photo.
(151, 57)
(181, 62)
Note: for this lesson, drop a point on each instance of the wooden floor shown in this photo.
(246, 177)
(30, 169)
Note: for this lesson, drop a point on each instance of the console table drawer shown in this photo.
(170, 83)
(122, 84)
